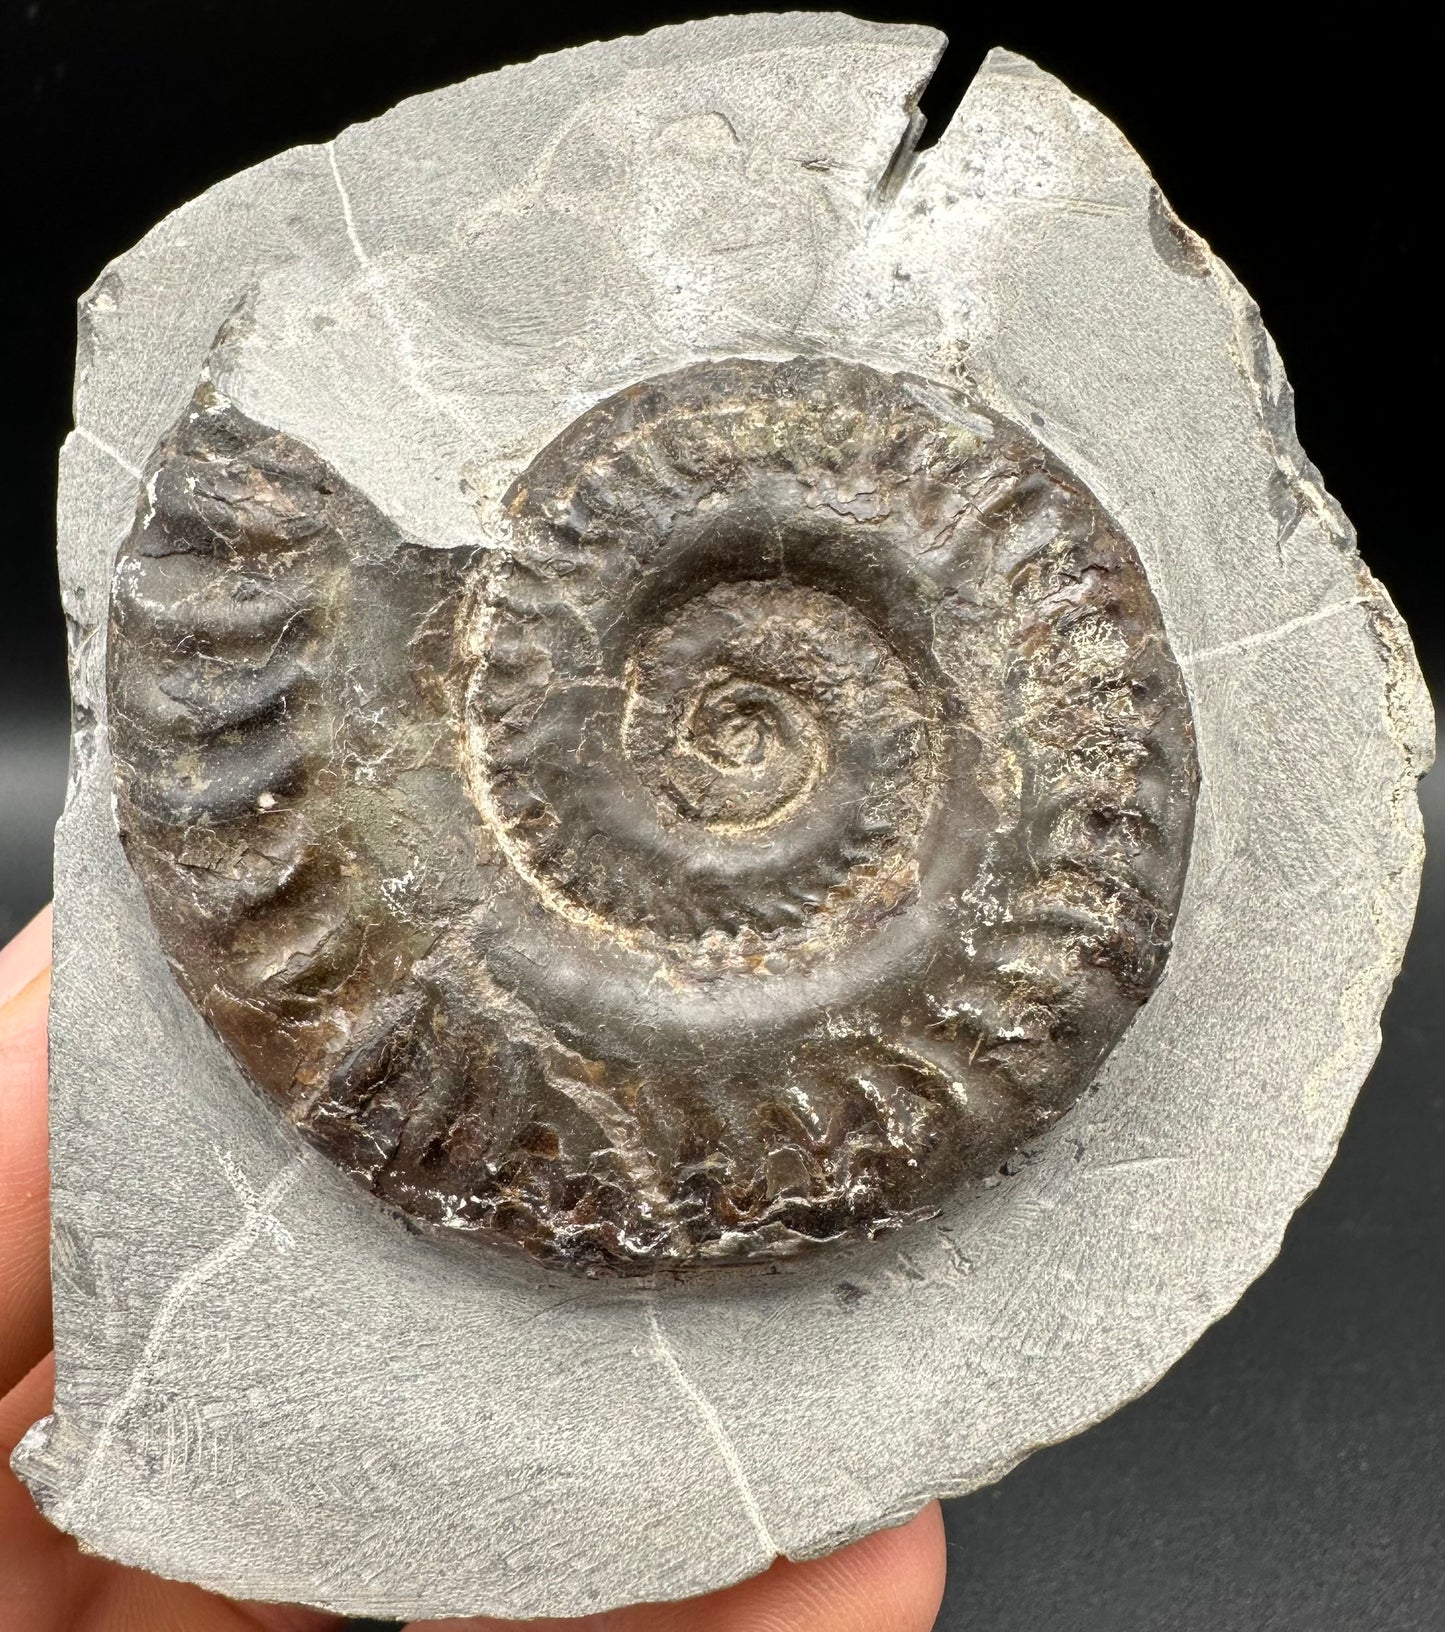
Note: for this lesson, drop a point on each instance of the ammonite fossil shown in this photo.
(772, 833)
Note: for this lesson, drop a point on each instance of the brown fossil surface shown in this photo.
(773, 835)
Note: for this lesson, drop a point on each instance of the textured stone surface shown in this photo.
(264, 1383)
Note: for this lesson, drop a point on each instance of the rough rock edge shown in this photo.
(1408, 717)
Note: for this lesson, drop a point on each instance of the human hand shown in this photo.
(889, 1582)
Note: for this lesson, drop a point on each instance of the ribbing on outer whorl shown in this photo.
(775, 836)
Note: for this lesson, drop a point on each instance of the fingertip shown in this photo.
(24, 1182)
(23, 1406)
(23, 957)
(891, 1581)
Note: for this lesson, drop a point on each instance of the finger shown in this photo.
(24, 957)
(24, 1199)
(34, 1590)
(48, 1585)
(888, 1582)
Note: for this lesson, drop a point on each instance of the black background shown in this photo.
(1290, 1472)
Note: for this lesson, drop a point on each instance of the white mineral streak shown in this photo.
(105, 447)
(718, 1434)
(1268, 636)
(329, 1409)
(258, 1219)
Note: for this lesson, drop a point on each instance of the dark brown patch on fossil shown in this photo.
(777, 836)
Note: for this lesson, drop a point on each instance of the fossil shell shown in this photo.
(774, 836)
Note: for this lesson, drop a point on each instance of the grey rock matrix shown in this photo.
(424, 305)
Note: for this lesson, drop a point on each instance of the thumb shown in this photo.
(888, 1582)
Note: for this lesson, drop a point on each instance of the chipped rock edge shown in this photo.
(781, 1483)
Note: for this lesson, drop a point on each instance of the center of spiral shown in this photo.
(744, 752)
(761, 745)
(734, 725)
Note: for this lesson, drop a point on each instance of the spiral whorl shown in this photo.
(776, 835)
